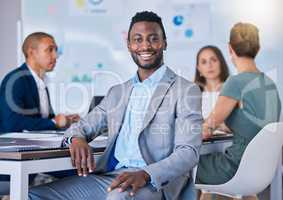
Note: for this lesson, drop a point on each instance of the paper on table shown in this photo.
(45, 132)
(32, 141)
(23, 144)
(219, 132)
(101, 138)
(29, 135)
(53, 139)
(18, 146)
(99, 142)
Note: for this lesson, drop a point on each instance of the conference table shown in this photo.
(20, 164)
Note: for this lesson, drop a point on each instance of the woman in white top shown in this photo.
(211, 73)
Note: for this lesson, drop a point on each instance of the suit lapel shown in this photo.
(32, 86)
(158, 96)
(51, 112)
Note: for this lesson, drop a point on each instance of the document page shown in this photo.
(29, 141)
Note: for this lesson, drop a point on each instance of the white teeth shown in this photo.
(146, 55)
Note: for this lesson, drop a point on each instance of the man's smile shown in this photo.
(146, 55)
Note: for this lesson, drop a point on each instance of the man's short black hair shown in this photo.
(32, 40)
(147, 16)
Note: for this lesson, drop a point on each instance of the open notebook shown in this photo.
(30, 141)
(17, 142)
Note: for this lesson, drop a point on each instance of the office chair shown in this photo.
(94, 102)
(257, 167)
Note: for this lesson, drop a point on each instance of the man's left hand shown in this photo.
(136, 180)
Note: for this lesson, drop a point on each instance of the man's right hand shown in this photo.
(60, 121)
(81, 155)
(64, 121)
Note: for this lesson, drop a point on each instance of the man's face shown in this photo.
(44, 55)
(146, 44)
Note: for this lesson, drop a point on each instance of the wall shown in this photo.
(9, 15)
(266, 14)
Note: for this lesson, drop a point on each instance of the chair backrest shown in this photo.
(257, 167)
(259, 160)
(94, 102)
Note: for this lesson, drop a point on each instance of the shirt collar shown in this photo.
(40, 82)
(153, 78)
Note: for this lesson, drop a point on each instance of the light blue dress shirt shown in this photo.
(127, 150)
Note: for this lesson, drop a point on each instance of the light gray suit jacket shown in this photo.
(171, 135)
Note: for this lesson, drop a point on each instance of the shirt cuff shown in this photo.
(53, 120)
(151, 180)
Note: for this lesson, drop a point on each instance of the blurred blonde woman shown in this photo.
(242, 104)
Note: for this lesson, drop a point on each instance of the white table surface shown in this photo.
(20, 170)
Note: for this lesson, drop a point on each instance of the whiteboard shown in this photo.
(91, 36)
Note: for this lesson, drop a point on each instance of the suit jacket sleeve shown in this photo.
(14, 115)
(186, 143)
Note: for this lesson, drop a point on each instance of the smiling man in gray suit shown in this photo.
(153, 123)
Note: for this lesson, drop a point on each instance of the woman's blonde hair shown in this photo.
(244, 40)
